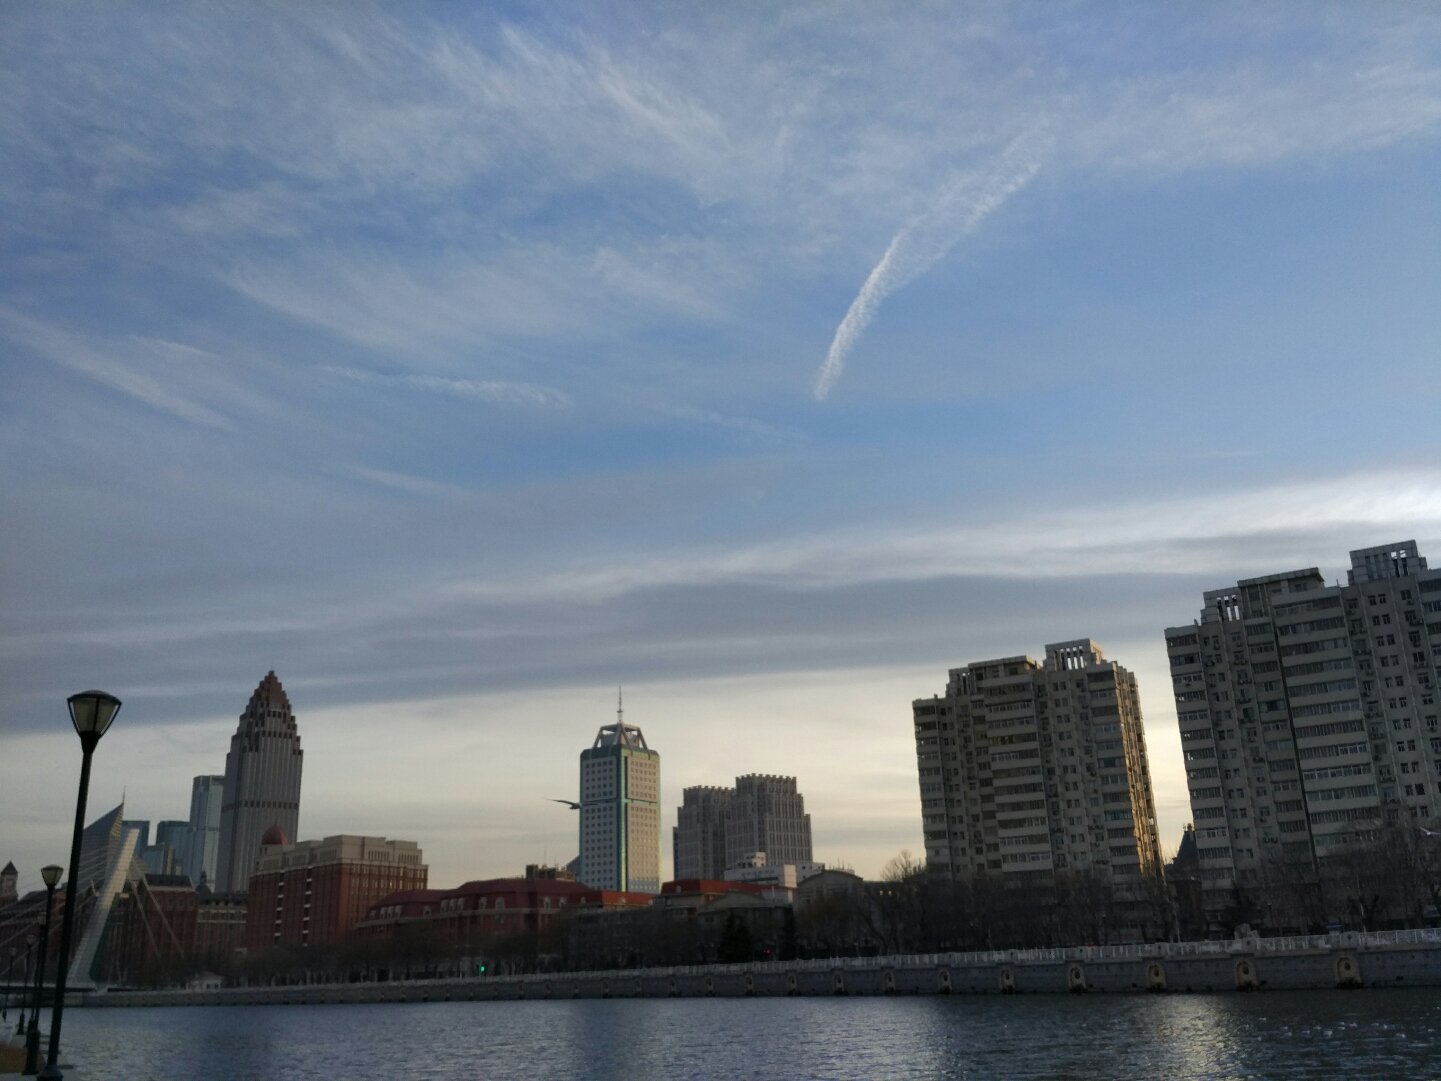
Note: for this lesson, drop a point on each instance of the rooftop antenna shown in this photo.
(620, 705)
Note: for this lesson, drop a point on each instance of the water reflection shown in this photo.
(1270, 1035)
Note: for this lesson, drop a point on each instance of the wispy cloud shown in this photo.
(497, 392)
(158, 391)
(1192, 535)
(748, 429)
(406, 482)
(962, 205)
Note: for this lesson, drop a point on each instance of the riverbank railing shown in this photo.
(1136, 951)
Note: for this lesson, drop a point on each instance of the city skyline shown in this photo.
(462, 364)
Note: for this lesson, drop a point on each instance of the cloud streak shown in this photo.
(962, 205)
(155, 391)
(495, 391)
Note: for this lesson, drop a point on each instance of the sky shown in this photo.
(462, 363)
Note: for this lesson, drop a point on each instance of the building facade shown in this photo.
(175, 834)
(262, 783)
(1030, 770)
(722, 828)
(767, 815)
(202, 837)
(314, 892)
(698, 841)
(620, 811)
(1308, 717)
(151, 936)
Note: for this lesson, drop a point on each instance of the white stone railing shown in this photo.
(1294, 944)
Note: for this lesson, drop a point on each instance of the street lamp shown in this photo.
(9, 972)
(91, 712)
(29, 947)
(51, 875)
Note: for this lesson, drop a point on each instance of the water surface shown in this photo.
(1363, 1034)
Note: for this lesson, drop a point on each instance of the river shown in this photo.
(1304, 1034)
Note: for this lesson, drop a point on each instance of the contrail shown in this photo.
(965, 202)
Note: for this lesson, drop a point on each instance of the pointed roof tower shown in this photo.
(269, 700)
(262, 783)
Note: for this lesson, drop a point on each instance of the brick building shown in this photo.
(467, 922)
(314, 892)
(151, 936)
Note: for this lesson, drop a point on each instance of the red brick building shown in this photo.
(150, 938)
(315, 892)
(509, 920)
(163, 931)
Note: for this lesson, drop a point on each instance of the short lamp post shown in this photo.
(25, 982)
(51, 875)
(9, 974)
(91, 712)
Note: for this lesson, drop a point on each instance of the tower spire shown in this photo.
(620, 705)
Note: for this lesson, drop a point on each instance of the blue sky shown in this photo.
(461, 364)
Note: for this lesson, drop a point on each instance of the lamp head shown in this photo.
(51, 875)
(91, 712)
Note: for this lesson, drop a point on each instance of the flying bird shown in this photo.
(569, 803)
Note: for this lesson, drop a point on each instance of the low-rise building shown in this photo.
(507, 919)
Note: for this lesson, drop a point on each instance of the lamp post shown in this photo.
(29, 946)
(91, 712)
(51, 875)
(9, 972)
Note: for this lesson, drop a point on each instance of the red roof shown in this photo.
(273, 836)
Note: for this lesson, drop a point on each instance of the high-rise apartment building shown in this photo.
(1308, 715)
(262, 783)
(620, 811)
(1031, 769)
(721, 828)
(202, 838)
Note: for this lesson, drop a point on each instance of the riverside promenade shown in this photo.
(1344, 960)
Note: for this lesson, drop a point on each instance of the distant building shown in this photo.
(1029, 769)
(620, 811)
(1308, 721)
(467, 925)
(142, 829)
(699, 837)
(220, 929)
(262, 783)
(722, 828)
(175, 834)
(157, 858)
(767, 815)
(20, 917)
(162, 931)
(312, 893)
(759, 871)
(151, 937)
(202, 840)
(8, 879)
